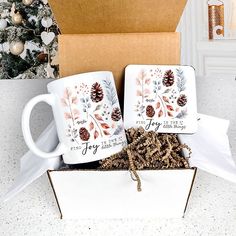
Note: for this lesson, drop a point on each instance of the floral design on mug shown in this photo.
(84, 91)
(70, 103)
(89, 115)
(142, 91)
(161, 93)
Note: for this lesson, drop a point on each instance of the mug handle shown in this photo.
(50, 100)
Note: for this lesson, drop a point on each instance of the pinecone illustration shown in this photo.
(96, 92)
(84, 134)
(150, 112)
(116, 114)
(168, 79)
(182, 100)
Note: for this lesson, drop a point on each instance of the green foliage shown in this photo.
(18, 65)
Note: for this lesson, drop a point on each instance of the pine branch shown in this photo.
(182, 114)
(181, 81)
(110, 92)
(14, 65)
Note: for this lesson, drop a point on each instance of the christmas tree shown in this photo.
(28, 40)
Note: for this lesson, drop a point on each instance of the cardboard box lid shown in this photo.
(95, 52)
(117, 16)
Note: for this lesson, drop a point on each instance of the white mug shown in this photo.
(87, 116)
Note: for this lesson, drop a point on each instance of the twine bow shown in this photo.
(148, 150)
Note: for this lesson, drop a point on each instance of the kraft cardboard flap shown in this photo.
(117, 16)
(113, 52)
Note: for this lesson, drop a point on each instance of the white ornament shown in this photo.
(13, 9)
(5, 13)
(3, 24)
(5, 47)
(27, 2)
(55, 60)
(16, 47)
(47, 37)
(49, 71)
(33, 18)
(45, 2)
(46, 22)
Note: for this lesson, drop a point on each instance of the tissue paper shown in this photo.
(32, 166)
(210, 147)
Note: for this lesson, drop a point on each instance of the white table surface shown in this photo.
(212, 205)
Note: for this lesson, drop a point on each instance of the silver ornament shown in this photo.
(46, 22)
(16, 47)
(3, 24)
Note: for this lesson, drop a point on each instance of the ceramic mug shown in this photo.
(87, 116)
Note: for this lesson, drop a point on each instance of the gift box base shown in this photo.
(113, 194)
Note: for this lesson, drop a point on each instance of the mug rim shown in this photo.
(70, 77)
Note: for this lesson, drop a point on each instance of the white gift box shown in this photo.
(113, 194)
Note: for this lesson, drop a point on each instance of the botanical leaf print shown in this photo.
(68, 101)
(98, 107)
(74, 100)
(98, 117)
(182, 114)
(67, 115)
(88, 114)
(147, 81)
(67, 93)
(165, 99)
(146, 92)
(118, 130)
(63, 102)
(161, 88)
(139, 93)
(91, 126)
(170, 108)
(76, 113)
(105, 126)
(110, 92)
(160, 113)
(106, 132)
(96, 134)
(181, 80)
(138, 81)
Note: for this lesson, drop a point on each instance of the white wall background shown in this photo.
(208, 57)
